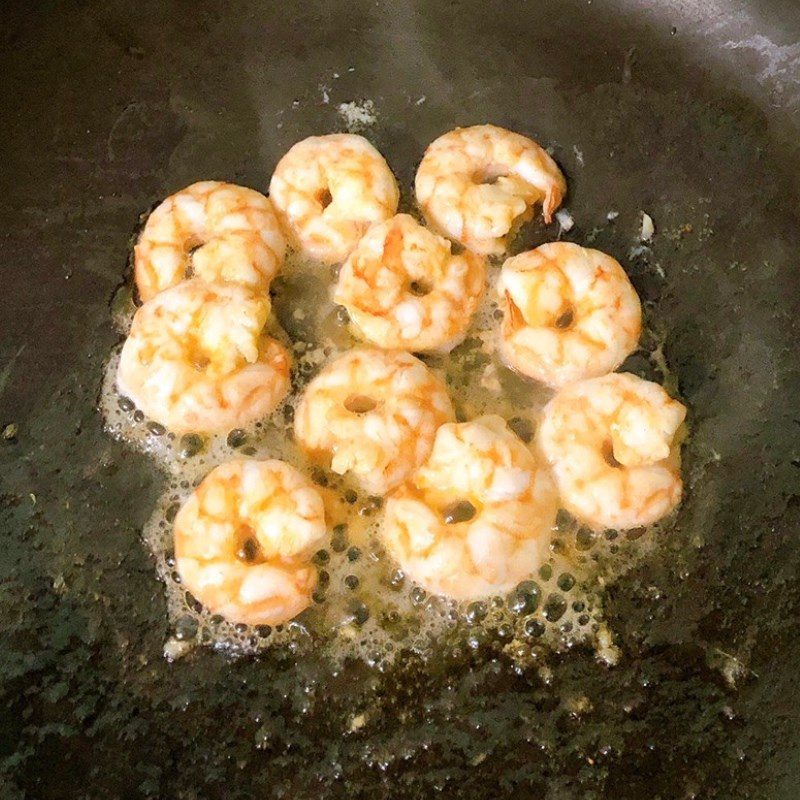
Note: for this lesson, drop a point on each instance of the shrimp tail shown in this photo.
(513, 319)
(552, 200)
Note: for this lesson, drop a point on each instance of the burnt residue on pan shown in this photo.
(108, 110)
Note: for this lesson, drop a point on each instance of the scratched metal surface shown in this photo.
(686, 110)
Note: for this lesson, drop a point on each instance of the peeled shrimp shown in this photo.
(476, 517)
(478, 184)
(328, 190)
(613, 444)
(216, 231)
(405, 289)
(570, 313)
(244, 539)
(197, 360)
(372, 414)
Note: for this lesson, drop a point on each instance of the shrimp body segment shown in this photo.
(476, 518)
(217, 231)
(328, 190)
(613, 444)
(569, 313)
(477, 185)
(372, 414)
(405, 289)
(196, 358)
(244, 539)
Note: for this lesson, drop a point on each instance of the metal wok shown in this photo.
(687, 110)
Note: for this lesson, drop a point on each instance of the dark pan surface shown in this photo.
(108, 108)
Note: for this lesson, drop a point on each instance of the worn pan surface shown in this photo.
(688, 110)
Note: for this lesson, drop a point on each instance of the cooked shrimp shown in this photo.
(197, 360)
(477, 185)
(570, 313)
(216, 231)
(614, 447)
(328, 190)
(244, 539)
(405, 289)
(476, 517)
(372, 414)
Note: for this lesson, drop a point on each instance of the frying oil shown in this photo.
(364, 606)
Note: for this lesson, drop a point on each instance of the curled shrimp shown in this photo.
(405, 289)
(372, 414)
(244, 539)
(328, 190)
(197, 359)
(569, 313)
(215, 231)
(476, 518)
(613, 444)
(477, 185)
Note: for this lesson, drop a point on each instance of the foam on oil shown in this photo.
(364, 606)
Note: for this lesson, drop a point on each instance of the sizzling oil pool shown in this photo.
(364, 606)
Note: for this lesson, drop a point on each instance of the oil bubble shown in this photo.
(353, 554)
(565, 581)
(584, 539)
(359, 611)
(564, 521)
(476, 612)
(191, 444)
(397, 579)
(555, 607)
(418, 596)
(339, 538)
(505, 631)
(186, 628)
(236, 438)
(534, 628)
(524, 599)
(351, 582)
